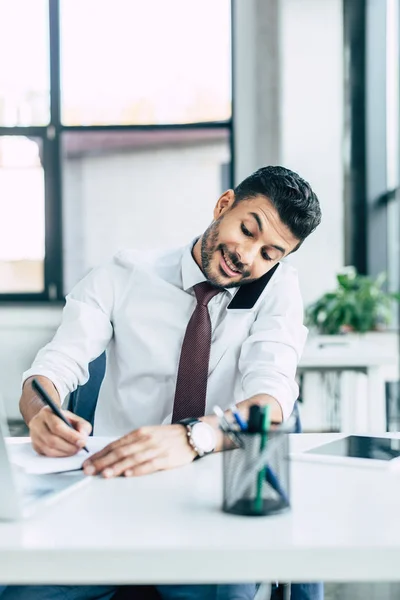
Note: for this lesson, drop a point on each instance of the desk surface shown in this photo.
(168, 527)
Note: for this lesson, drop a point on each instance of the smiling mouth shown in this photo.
(227, 266)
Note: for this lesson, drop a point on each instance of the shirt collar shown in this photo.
(191, 272)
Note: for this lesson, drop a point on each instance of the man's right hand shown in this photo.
(51, 437)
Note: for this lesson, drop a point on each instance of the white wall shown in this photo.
(143, 199)
(312, 129)
(289, 111)
(22, 332)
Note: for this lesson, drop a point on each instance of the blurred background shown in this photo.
(122, 122)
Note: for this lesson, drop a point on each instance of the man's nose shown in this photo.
(247, 254)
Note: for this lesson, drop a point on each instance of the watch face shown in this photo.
(203, 436)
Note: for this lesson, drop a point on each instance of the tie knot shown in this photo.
(204, 292)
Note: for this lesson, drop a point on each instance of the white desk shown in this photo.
(374, 354)
(168, 528)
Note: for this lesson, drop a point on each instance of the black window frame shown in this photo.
(51, 135)
(366, 191)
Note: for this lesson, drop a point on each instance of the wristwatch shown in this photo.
(201, 436)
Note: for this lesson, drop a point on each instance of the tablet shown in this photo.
(357, 450)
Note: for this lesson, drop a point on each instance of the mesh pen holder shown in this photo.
(256, 472)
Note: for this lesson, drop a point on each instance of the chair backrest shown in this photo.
(296, 413)
(83, 400)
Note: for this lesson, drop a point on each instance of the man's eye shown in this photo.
(265, 256)
(246, 231)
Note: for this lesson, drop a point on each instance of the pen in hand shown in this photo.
(47, 400)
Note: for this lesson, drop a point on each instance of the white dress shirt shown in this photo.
(137, 307)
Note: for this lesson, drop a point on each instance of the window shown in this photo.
(24, 73)
(22, 204)
(393, 143)
(150, 62)
(372, 52)
(382, 94)
(126, 120)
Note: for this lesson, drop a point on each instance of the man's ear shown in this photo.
(224, 203)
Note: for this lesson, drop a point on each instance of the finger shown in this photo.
(100, 461)
(103, 453)
(81, 425)
(151, 466)
(57, 427)
(134, 436)
(50, 445)
(40, 434)
(60, 445)
(122, 466)
(44, 449)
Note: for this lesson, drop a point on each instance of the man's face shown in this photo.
(242, 243)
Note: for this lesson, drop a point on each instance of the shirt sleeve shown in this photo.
(270, 355)
(85, 330)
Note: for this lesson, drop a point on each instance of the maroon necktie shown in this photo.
(191, 384)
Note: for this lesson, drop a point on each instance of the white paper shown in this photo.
(24, 456)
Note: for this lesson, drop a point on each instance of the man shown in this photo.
(177, 346)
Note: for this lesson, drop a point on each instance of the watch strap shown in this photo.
(188, 424)
(188, 421)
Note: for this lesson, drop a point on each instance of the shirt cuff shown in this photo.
(61, 388)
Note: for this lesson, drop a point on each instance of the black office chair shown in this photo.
(83, 400)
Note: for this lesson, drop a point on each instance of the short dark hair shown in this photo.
(297, 205)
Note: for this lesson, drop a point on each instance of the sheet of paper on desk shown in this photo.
(23, 455)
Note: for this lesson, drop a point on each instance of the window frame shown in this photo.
(51, 135)
(368, 189)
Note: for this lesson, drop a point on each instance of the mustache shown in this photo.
(234, 260)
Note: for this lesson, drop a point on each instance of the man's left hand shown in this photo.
(143, 451)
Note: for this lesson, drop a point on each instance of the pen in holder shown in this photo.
(256, 474)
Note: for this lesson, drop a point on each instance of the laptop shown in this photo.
(21, 493)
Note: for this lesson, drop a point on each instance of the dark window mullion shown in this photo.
(53, 212)
(355, 161)
(150, 127)
(24, 131)
(54, 25)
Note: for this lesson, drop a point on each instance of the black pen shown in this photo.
(47, 400)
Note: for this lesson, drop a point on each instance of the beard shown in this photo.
(210, 247)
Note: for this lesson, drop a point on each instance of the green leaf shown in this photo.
(358, 303)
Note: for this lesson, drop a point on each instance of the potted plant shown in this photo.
(358, 304)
